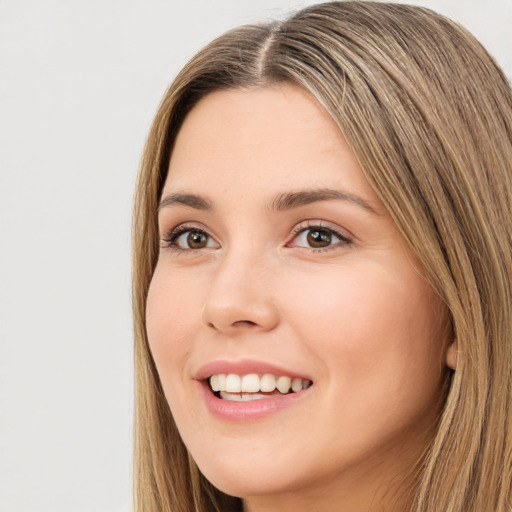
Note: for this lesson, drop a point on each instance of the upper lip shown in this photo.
(244, 367)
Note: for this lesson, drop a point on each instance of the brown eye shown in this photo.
(191, 239)
(318, 238)
(197, 240)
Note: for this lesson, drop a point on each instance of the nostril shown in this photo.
(241, 323)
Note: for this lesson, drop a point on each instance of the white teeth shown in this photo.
(218, 382)
(268, 383)
(221, 381)
(296, 384)
(214, 382)
(283, 384)
(240, 388)
(233, 383)
(251, 383)
(241, 397)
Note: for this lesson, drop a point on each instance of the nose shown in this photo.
(240, 297)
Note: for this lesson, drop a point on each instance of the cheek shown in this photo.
(171, 304)
(172, 319)
(372, 328)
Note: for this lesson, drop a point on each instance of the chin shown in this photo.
(250, 478)
(243, 486)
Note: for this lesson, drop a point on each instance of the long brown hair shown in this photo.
(428, 114)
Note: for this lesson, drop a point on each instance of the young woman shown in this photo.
(323, 271)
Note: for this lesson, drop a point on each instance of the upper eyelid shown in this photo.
(169, 236)
(183, 227)
(310, 224)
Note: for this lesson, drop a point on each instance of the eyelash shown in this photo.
(303, 227)
(171, 239)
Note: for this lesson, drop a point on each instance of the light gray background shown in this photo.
(79, 83)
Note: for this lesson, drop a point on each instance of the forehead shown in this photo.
(256, 138)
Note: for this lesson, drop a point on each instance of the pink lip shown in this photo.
(248, 411)
(226, 410)
(244, 367)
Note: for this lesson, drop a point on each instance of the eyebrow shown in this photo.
(282, 202)
(191, 200)
(291, 200)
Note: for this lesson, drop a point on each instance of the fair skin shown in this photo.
(262, 271)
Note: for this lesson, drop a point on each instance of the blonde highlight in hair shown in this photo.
(428, 115)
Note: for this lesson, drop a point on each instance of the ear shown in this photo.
(451, 355)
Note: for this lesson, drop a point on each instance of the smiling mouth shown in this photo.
(244, 388)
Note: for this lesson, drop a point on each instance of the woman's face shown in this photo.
(280, 266)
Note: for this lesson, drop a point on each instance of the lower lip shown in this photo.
(227, 410)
